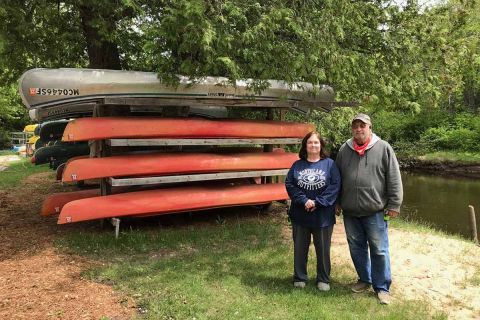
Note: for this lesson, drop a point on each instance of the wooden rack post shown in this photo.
(268, 147)
(473, 224)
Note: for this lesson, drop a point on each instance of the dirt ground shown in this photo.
(427, 267)
(37, 282)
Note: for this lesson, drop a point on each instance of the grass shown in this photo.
(451, 156)
(475, 280)
(7, 152)
(229, 267)
(419, 226)
(17, 171)
(240, 268)
(465, 258)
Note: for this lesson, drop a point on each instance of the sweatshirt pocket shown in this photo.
(369, 200)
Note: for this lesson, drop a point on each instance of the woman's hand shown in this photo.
(310, 205)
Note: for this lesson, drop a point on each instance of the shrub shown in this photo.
(461, 139)
(4, 139)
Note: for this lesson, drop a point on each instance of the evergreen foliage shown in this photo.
(400, 63)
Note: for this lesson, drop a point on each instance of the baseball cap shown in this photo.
(363, 117)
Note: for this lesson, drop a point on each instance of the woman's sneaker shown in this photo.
(322, 286)
(299, 284)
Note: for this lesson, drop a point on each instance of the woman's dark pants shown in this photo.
(322, 238)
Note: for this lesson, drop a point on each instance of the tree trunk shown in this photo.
(102, 53)
(471, 98)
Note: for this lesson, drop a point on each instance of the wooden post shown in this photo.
(105, 149)
(97, 150)
(473, 224)
(283, 117)
(269, 147)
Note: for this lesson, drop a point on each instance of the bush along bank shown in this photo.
(433, 141)
(429, 131)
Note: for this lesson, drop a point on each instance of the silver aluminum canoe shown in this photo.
(56, 93)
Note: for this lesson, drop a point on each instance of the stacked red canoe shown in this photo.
(90, 205)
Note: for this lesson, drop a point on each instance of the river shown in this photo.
(441, 202)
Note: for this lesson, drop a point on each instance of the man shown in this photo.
(371, 194)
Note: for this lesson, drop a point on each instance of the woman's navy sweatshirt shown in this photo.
(319, 181)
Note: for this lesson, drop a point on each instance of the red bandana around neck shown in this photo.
(361, 149)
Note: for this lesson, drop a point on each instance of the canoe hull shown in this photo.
(173, 163)
(53, 130)
(130, 127)
(41, 88)
(54, 203)
(60, 151)
(171, 200)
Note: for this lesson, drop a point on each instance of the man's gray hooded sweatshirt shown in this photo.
(372, 182)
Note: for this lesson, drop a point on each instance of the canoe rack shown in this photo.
(121, 93)
(107, 147)
(267, 176)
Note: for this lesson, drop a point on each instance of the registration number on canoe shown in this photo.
(53, 92)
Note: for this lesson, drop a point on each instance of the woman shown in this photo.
(312, 183)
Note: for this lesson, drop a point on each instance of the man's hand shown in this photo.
(392, 213)
(309, 205)
(338, 209)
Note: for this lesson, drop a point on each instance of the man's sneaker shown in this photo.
(383, 297)
(360, 286)
(322, 286)
(299, 284)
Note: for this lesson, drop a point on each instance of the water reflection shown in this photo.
(442, 202)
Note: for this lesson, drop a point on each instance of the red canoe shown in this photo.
(129, 127)
(59, 172)
(54, 203)
(163, 201)
(174, 163)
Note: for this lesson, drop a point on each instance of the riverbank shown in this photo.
(229, 263)
(449, 164)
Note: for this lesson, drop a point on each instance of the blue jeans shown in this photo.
(364, 233)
